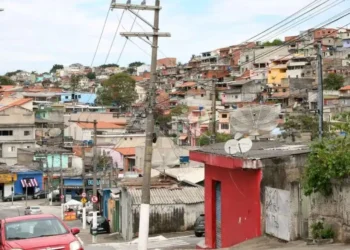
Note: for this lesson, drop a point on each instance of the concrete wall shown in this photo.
(335, 210)
(285, 174)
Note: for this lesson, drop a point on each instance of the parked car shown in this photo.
(199, 226)
(102, 225)
(16, 197)
(32, 210)
(40, 195)
(41, 231)
(90, 215)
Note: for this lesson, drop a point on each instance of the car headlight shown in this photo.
(75, 245)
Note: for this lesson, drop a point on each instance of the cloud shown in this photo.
(40, 33)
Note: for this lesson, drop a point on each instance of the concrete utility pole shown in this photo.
(320, 90)
(61, 179)
(52, 162)
(213, 112)
(94, 174)
(145, 200)
(83, 168)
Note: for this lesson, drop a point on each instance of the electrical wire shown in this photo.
(115, 34)
(264, 31)
(99, 41)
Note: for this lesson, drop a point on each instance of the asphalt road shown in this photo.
(169, 242)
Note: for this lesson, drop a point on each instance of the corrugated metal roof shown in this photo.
(165, 196)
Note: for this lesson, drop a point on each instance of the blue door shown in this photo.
(218, 213)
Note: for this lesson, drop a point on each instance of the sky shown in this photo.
(35, 34)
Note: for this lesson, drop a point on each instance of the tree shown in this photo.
(131, 70)
(135, 64)
(119, 90)
(91, 75)
(204, 139)
(4, 80)
(109, 65)
(74, 79)
(275, 42)
(334, 81)
(329, 159)
(56, 67)
(12, 73)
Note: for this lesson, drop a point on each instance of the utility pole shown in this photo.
(320, 90)
(213, 112)
(145, 199)
(61, 180)
(94, 174)
(52, 162)
(83, 169)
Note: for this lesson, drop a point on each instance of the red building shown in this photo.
(232, 198)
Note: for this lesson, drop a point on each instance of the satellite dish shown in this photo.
(231, 147)
(55, 132)
(245, 145)
(238, 136)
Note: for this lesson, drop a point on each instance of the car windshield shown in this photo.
(34, 229)
(34, 208)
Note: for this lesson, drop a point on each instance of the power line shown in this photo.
(325, 8)
(99, 41)
(281, 21)
(317, 6)
(115, 34)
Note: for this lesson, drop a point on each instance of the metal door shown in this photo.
(218, 213)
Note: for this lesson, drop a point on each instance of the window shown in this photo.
(236, 96)
(79, 96)
(27, 132)
(224, 115)
(224, 126)
(12, 149)
(202, 95)
(6, 132)
(66, 97)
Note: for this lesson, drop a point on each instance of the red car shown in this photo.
(41, 231)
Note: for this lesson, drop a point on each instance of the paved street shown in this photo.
(172, 241)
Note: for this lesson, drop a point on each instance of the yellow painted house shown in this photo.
(277, 71)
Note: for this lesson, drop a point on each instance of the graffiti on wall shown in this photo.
(277, 213)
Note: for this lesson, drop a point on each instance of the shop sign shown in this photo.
(90, 182)
(73, 187)
(7, 178)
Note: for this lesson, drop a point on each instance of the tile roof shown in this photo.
(137, 78)
(126, 151)
(18, 102)
(102, 125)
(345, 87)
(187, 84)
(167, 196)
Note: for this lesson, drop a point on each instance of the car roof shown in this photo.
(30, 217)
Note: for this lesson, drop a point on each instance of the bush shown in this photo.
(319, 231)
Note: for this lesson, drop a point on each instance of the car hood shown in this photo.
(35, 243)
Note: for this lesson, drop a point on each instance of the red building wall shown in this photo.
(240, 206)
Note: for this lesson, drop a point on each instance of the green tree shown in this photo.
(333, 81)
(56, 67)
(74, 80)
(91, 75)
(135, 64)
(109, 65)
(4, 80)
(12, 73)
(204, 139)
(131, 70)
(275, 42)
(329, 159)
(119, 89)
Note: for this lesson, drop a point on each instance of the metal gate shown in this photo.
(218, 213)
(277, 213)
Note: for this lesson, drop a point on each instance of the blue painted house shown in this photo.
(81, 97)
(27, 179)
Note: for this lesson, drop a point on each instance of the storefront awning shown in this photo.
(29, 183)
(183, 137)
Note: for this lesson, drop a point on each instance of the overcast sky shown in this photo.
(35, 34)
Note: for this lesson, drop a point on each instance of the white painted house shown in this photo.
(84, 131)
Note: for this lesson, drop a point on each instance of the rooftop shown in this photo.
(126, 151)
(103, 125)
(162, 196)
(260, 150)
(17, 102)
